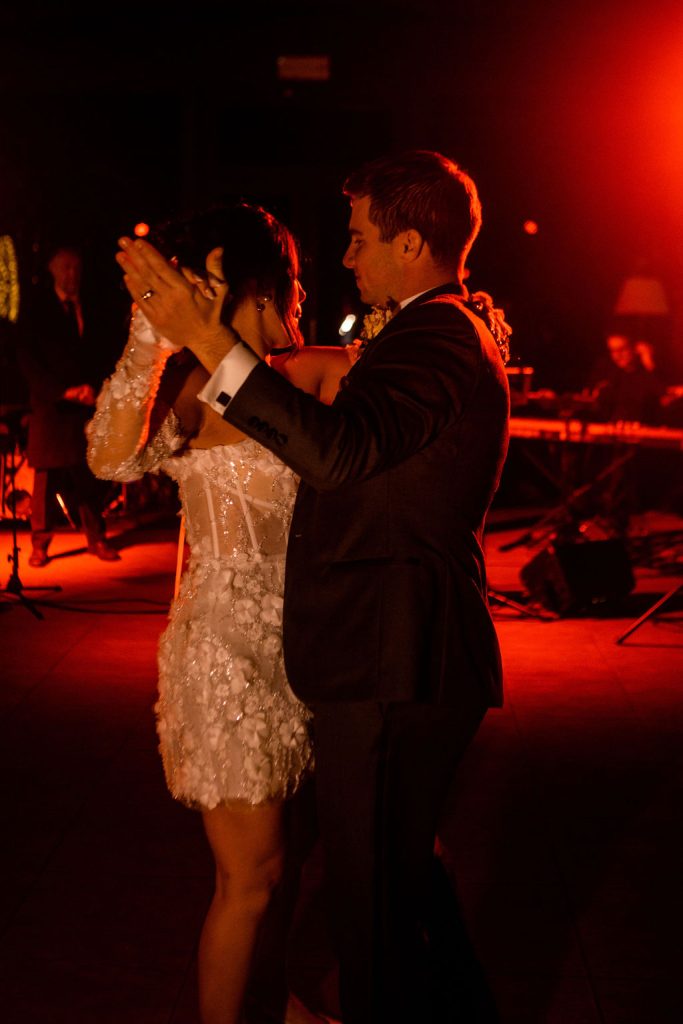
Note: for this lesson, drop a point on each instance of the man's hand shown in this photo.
(177, 309)
(82, 393)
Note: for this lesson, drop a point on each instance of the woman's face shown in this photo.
(280, 328)
(294, 313)
(257, 315)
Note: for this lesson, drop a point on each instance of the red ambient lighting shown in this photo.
(530, 227)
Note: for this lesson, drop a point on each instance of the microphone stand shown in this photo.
(14, 586)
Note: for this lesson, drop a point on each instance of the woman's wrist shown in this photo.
(142, 331)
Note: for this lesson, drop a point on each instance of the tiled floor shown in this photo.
(563, 831)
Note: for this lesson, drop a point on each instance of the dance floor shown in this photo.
(563, 830)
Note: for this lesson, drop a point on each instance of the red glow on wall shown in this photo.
(141, 229)
(530, 227)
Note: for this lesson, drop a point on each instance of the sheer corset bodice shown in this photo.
(237, 501)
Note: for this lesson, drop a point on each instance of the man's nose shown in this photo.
(347, 261)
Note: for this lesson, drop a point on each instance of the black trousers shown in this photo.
(382, 775)
(79, 490)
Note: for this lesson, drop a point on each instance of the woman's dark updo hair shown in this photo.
(257, 248)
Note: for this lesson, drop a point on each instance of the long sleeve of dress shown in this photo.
(120, 444)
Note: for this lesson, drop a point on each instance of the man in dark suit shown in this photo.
(387, 631)
(58, 356)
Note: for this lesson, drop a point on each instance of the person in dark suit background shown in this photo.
(387, 631)
(61, 359)
(625, 384)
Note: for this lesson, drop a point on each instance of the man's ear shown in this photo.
(409, 245)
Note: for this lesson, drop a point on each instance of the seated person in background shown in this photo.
(624, 384)
(625, 387)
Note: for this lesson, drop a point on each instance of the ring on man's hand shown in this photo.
(148, 294)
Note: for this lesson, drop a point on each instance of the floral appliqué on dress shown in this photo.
(229, 726)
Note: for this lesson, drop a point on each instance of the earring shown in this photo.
(261, 302)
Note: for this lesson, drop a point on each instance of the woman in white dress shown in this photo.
(233, 738)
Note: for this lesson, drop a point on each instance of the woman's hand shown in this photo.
(177, 309)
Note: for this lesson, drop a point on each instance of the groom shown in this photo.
(387, 631)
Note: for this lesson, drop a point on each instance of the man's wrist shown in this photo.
(211, 349)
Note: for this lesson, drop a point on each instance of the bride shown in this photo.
(233, 738)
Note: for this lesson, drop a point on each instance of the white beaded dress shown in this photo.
(229, 726)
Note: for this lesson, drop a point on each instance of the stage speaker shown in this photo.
(575, 577)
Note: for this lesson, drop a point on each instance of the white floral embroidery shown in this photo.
(254, 729)
(229, 726)
(292, 733)
(246, 611)
(271, 609)
(242, 672)
(272, 645)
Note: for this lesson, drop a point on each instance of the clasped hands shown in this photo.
(180, 307)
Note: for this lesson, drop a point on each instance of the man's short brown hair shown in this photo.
(424, 191)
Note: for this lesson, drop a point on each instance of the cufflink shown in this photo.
(223, 399)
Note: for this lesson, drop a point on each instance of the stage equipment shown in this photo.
(574, 577)
(520, 379)
(14, 587)
(624, 440)
(575, 431)
(663, 552)
(16, 485)
(496, 597)
(650, 613)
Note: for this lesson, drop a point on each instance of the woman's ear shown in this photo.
(214, 264)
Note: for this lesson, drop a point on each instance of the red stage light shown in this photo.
(141, 229)
(530, 227)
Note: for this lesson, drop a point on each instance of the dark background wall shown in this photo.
(569, 114)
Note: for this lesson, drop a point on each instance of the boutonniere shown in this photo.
(375, 321)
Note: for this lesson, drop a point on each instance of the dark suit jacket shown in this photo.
(53, 357)
(385, 593)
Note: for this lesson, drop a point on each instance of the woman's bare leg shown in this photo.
(248, 847)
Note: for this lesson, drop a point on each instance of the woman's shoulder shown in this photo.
(316, 369)
(300, 359)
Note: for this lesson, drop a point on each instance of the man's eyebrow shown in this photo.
(355, 231)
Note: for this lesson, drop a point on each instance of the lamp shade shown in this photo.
(642, 296)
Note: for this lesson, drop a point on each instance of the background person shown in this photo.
(625, 385)
(61, 357)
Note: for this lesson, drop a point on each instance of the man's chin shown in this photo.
(368, 299)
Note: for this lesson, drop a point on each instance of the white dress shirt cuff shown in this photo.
(228, 377)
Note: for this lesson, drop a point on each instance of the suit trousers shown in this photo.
(78, 489)
(383, 771)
